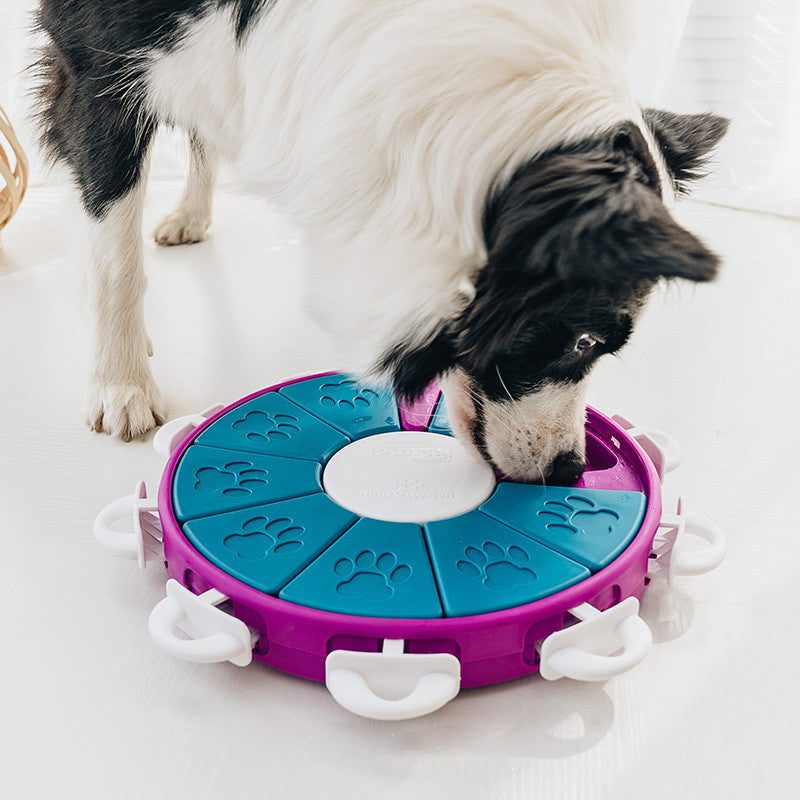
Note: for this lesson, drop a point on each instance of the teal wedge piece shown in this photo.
(591, 526)
(268, 545)
(355, 409)
(441, 421)
(482, 566)
(212, 480)
(273, 425)
(375, 569)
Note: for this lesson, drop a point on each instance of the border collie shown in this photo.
(482, 197)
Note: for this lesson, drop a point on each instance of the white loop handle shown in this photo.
(392, 685)
(109, 539)
(164, 620)
(214, 635)
(351, 690)
(170, 435)
(698, 562)
(585, 651)
(581, 665)
(670, 449)
(144, 539)
(669, 546)
(661, 448)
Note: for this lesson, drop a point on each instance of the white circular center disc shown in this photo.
(407, 476)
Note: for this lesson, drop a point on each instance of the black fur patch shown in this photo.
(541, 349)
(102, 137)
(686, 140)
(91, 98)
(589, 212)
(246, 11)
(412, 370)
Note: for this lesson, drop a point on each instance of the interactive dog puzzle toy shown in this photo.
(323, 528)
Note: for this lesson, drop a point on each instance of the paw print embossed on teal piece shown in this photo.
(591, 526)
(260, 536)
(262, 428)
(353, 577)
(346, 404)
(272, 424)
(268, 545)
(370, 576)
(579, 515)
(347, 395)
(499, 568)
(482, 565)
(211, 480)
(235, 479)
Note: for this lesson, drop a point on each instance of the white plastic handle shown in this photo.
(351, 690)
(213, 635)
(671, 556)
(584, 651)
(581, 665)
(670, 449)
(109, 539)
(143, 540)
(661, 448)
(698, 562)
(163, 623)
(392, 685)
(169, 435)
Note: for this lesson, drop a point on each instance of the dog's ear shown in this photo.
(412, 368)
(631, 235)
(587, 215)
(686, 141)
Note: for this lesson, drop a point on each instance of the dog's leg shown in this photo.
(189, 220)
(123, 398)
(94, 119)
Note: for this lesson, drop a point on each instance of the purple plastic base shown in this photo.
(492, 647)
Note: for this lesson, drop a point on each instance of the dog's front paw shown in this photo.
(182, 226)
(126, 410)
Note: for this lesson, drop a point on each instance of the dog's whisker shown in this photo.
(502, 382)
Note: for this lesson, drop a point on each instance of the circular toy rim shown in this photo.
(637, 552)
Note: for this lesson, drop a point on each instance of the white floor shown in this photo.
(89, 708)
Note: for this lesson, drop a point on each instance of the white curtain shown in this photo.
(661, 26)
(738, 57)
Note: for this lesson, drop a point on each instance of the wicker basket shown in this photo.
(13, 180)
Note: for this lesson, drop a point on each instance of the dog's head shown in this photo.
(575, 241)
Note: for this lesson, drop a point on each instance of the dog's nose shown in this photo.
(566, 469)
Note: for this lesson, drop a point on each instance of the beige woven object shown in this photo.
(13, 180)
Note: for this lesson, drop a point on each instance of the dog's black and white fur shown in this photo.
(482, 198)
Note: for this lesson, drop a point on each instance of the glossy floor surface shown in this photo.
(91, 709)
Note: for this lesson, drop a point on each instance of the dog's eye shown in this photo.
(585, 342)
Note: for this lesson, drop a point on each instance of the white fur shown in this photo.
(191, 217)
(381, 128)
(524, 437)
(198, 85)
(123, 397)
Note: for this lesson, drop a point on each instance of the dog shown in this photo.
(483, 199)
